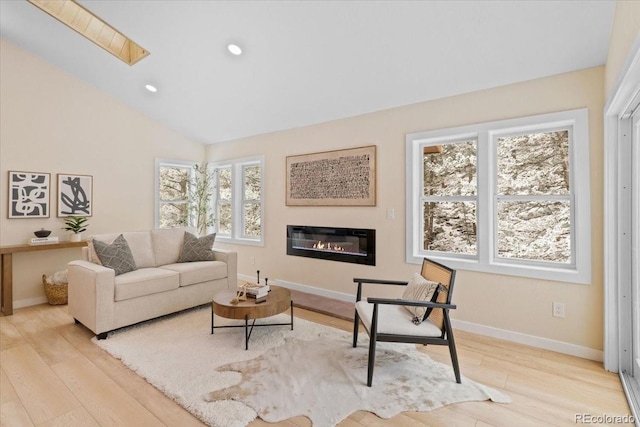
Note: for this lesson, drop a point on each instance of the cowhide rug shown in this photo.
(325, 380)
(312, 370)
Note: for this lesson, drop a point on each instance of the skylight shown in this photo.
(93, 28)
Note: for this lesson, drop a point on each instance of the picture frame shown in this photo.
(29, 194)
(75, 195)
(344, 177)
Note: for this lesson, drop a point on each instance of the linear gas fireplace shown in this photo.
(354, 245)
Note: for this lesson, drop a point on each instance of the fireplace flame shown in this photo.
(328, 246)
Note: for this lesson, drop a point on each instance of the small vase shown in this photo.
(75, 237)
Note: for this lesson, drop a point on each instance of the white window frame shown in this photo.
(157, 202)
(237, 235)
(486, 134)
(217, 201)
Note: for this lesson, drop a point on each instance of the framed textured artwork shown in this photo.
(75, 195)
(332, 178)
(29, 194)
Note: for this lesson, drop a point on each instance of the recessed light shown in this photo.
(234, 49)
(151, 88)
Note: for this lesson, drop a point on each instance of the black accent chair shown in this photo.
(387, 320)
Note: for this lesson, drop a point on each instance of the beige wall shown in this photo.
(510, 303)
(624, 32)
(45, 128)
(52, 122)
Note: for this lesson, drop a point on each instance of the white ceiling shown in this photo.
(308, 62)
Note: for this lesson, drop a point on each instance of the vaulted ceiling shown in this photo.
(307, 62)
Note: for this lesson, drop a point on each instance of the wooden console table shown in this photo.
(6, 268)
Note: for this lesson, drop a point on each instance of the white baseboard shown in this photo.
(21, 303)
(534, 341)
(517, 337)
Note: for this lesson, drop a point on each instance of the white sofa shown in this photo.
(102, 301)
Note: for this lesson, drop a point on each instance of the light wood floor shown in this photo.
(52, 375)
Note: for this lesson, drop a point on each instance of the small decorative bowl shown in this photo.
(42, 233)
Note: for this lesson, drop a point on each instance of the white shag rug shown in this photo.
(311, 371)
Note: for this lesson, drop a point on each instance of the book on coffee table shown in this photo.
(255, 291)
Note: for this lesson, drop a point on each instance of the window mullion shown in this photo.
(245, 202)
(532, 197)
(484, 209)
(237, 206)
(448, 199)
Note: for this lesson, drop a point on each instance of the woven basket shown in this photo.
(56, 294)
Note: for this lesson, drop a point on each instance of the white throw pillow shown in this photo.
(419, 289)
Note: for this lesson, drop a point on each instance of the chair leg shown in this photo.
(452, 349)
(454, 361)
(356, 325)
(372, 361)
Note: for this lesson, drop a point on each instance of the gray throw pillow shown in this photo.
(197, 249)
(116, 255)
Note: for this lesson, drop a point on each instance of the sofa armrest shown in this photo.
(91, 295)
(231, 258)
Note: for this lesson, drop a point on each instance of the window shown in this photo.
(533, 198)
(252, 200)
(449, 199)
(224, 201)
(508, 197)
(239, 200)
(172, 193)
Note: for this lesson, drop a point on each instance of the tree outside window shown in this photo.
(507, 197)
(252, 206)
(449, 198)
(184, 198)
(533, 197)
(173, 195)
(225, 199)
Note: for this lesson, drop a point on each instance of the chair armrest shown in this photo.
(398, 301)
(380, 281)
(360, 281)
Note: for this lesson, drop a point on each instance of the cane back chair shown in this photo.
(386, 319)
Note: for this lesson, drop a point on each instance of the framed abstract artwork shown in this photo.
(29, 194)
(75, 195)
(332, 178)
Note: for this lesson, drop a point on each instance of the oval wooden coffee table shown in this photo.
(278, 301)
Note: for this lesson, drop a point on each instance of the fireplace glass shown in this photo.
(354, 245)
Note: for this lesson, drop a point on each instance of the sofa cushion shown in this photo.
(116, 255)
(394, 319)
(139, 243)
(145, 281)
(198, 271)
(141, 248)
(197, 249)
(167, 244)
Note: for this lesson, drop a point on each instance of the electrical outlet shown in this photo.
(558, 309)
(252, 260)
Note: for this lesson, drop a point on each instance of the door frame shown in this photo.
(618, 180)
(618, 102)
